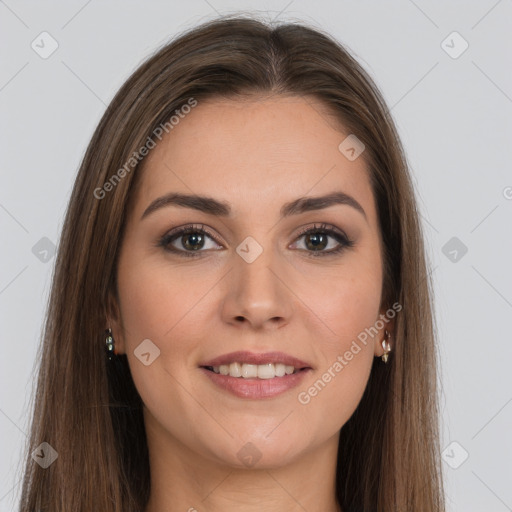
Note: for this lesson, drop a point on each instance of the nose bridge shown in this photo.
(256, 291)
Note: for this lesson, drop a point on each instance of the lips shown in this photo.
(256, 359)
(255, 388)
(255, 376)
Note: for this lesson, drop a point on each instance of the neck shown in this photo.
(182, 480)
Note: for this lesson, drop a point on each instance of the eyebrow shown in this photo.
(223, 209)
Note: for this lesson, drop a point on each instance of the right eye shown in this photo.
(193, 240)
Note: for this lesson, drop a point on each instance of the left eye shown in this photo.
(316, 240)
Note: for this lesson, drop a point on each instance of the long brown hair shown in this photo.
(88, 409)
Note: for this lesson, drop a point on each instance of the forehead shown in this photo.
(256, 152)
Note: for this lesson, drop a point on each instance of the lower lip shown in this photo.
(256, 388)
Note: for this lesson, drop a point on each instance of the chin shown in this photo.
(255, 452)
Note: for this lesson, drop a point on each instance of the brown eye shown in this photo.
(187, 241)
(192, 241)
(317, 239)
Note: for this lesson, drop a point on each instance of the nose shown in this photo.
(257, 293)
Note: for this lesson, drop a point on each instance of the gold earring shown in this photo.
(110, 344)
(386, 346)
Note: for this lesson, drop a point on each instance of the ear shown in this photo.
(389, 325)
(113, 319)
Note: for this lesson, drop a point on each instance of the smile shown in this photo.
(250, 386)
(252, 371)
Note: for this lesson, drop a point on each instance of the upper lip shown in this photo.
(244, 356)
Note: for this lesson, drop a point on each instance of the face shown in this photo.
(245, 278)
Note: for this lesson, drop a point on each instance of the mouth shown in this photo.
(249, 365)
(255, 376)
(254, 371)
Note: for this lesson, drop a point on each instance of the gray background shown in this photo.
(454, 117)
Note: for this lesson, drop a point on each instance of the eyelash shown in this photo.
(339, 236)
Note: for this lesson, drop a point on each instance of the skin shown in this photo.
(256, 154)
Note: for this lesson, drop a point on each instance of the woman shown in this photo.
(241, 315)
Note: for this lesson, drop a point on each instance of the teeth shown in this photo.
(235, 370)
(266, 371)
(249, 371)
(252, 371)
(280, 370)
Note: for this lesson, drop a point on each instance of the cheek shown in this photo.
(156, 300)
(356, 307)
(329, 399)
(330, 396)
(161, 305)
(346, 303)
(170, 307)
(348, 310)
